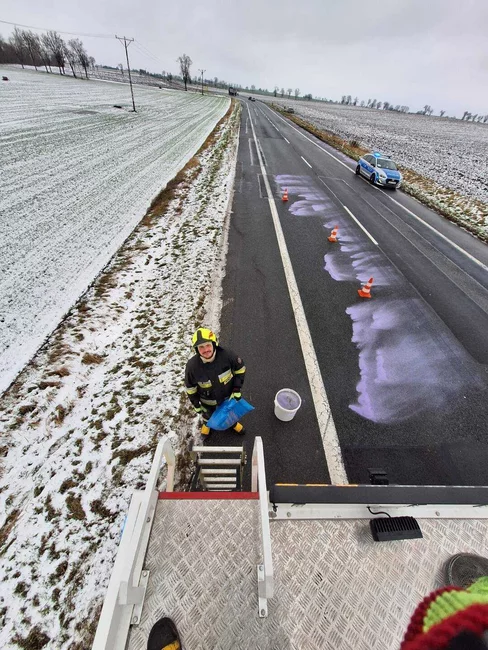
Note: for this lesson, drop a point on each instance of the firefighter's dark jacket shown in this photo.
(209, 384)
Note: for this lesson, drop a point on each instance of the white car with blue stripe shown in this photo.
(379, 170)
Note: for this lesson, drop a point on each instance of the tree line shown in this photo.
(46, 50)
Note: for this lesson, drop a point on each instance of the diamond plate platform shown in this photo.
(335, 588)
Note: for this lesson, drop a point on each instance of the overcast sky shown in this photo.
(411, 52)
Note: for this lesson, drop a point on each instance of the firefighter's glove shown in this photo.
(199, 409)
(236, 395)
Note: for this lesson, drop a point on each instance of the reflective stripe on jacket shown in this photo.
(212, 383)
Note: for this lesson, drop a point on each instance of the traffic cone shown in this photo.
(285, 196)
(333, 234)
(365, 292)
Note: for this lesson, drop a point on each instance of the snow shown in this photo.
(81, 422)
(450, 153)
(77, 176)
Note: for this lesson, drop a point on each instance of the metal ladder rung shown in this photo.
(203, 462)
(224, 487)
(211, 472)
(220, 479)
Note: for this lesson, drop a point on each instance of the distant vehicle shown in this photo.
(379, 170)
(290, 109)
(232, 91)
(251, 99)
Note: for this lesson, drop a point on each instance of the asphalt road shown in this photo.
(406, 372)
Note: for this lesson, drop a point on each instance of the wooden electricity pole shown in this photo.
(127, 42)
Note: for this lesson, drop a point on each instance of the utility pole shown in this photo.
(127, 42)
(202, 71)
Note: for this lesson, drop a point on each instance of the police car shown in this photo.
(379, 170)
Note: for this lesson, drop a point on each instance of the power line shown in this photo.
(145, 54)
(45, 29)
(142, 49)
(149, 53)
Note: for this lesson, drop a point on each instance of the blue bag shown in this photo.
(228, 413)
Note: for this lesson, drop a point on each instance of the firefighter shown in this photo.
(212, 375)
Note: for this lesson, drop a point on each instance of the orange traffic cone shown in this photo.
(365, 292)
(285, 196)
(333, 234)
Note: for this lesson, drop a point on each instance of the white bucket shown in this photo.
(287, 402)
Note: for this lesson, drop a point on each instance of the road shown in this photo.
(404, 374)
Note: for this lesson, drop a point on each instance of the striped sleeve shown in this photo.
(238, 370)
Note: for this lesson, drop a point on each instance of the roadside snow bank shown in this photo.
(82, 421)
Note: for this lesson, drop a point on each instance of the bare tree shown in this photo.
(32, 44)
(373, 103)
(275, 91)
(282, 92)
(91, 61)
(289, 92)
(55, 44)
(18, 45)
(442, 113)
(386, 106)
(297, 93)
(185, 64)
(44, 54)
(362, 103)
(71, 57)
(81, 56)
(378, 106)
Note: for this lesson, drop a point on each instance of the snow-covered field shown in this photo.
(77, 176)
(81, 422)
(452, 152)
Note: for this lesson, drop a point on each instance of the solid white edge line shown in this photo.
(427, 225)
(250, 152)
(306, 161)
(323, 412)
(360, 225)
(285, 139)
(458, 248)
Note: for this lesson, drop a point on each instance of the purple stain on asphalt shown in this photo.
(305, 199)
(338, 267)
(409, 361)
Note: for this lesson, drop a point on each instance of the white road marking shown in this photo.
(314, 143)
(247, 122)
(458, 248)
(360, 225)
(326, 424)
(305, 161)
(273, 125)
(250, 151)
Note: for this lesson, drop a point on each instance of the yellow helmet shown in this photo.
(203, 335)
